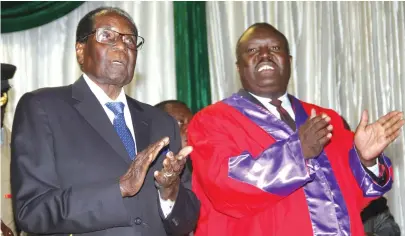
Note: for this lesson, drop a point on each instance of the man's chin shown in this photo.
(119, 78)
(267, 81)
(268, 91)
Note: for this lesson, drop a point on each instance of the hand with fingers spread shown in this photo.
(371, 139)
(132, 180)
(314, 134)
(168, 179)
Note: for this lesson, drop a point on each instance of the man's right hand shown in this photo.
(314, 134)
(6, 230)
(132, 180)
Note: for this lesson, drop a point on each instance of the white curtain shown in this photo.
(45, 56)
(347, 56)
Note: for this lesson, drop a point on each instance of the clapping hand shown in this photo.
(6, 230)
(168, 179)
(371, 139)
(132, 181)
(314, 134)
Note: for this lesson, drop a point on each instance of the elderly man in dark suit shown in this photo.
(86, 158)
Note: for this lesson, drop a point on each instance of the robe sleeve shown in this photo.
(371, 186)
(236, 182)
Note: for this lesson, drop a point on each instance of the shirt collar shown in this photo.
(285, 102)
(101, 95)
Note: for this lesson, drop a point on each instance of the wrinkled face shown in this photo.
(104, 63)
(264, 63)
(183, 116)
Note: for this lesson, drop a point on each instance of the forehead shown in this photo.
(258, 34)
(178, 110)
(114, 21)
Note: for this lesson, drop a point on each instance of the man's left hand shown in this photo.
(371, 139)
(168, 178)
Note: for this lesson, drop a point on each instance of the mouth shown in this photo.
(267, 66)
(119, 62)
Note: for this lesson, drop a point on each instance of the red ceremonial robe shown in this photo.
(252, 179)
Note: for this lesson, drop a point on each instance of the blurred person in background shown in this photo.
(183, 115)
(8, 227)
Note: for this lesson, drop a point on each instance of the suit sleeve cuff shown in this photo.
(166, 206)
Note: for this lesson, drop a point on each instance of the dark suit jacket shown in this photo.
(66, 162)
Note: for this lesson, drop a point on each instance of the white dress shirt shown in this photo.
(166, 205)
(286, 104)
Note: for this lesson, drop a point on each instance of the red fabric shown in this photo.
(234, 208)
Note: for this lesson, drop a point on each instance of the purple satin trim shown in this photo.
(327, 208)
(364, 180)
(321, 205)
(277, 128)
(281, 168)
(341, 212)
(326, 205)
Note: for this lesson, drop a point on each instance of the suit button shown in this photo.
(175, 221)
(138, 221)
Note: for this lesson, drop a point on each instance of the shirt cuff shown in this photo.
(166, 205)
(375, 169)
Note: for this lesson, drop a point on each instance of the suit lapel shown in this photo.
(141, 124)
(92, 111)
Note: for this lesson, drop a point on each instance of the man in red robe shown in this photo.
(266, 163)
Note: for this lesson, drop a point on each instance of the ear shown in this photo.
(291, 59)
(80, 53)
(237, 66)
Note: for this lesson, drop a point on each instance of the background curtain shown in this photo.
(192, 73)
(45, 56)
(347, 56)
(17, 16)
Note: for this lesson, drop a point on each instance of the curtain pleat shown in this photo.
(192, 70)
(16, 16)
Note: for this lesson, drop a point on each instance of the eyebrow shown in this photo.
(116, 30)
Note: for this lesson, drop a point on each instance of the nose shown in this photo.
(119, 43)
(264, 52)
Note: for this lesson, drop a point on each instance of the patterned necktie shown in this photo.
(120, 126)
(283, 114)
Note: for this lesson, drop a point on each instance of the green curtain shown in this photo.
(16, 16)
(192, 68)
